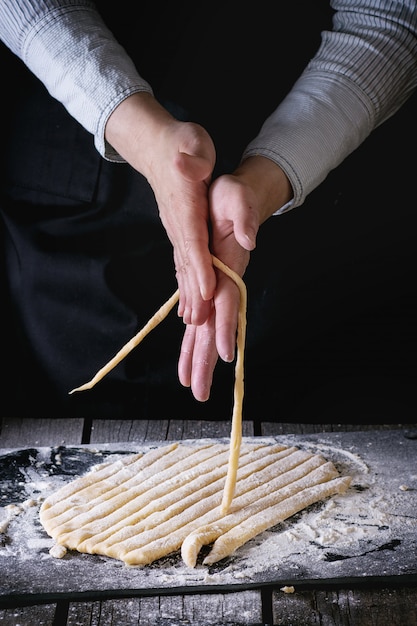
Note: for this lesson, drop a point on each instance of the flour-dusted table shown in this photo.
(385, 600)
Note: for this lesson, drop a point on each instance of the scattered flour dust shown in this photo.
(337, 525)
(21, 534)
(342, 524)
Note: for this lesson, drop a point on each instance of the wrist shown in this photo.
(269, 183)
(133, 128)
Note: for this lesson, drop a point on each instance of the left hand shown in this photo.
(234, 221)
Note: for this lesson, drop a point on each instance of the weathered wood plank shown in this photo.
(195, 429)
(41, 615)
(242, 608)
(109, 431)
(18, 432)
(384, 607)
(277, 428)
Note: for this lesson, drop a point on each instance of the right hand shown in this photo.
(177, 158)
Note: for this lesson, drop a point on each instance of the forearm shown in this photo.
(68, 47)
(135, 128)
(363, 72)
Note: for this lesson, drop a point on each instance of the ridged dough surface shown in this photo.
(143, 507)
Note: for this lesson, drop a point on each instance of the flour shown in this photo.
(376, 517)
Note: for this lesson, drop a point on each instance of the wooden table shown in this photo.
(358, 605)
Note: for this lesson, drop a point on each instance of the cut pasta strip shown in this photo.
(310, 473)
(157, 506)
(236, 430)
(228, 543)
(108, 515)
(141, 508)
(175, 527)
(121, 489)
(101, 473)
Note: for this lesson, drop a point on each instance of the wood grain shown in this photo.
(393, 605)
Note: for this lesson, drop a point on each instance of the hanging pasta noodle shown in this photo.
(236, 428)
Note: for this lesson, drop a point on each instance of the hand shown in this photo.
(234, 221)
(239, 203)
(177, 158)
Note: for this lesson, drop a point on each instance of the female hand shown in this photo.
(239, 204)
(177, 158)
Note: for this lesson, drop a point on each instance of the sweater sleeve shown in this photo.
(363, 72)
(66, 44)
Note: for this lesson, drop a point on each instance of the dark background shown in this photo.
(332, 297)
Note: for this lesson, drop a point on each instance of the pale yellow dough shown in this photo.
(146, 506)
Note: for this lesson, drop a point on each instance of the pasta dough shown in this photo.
(146, 506)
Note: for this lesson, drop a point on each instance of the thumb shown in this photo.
(195, 168)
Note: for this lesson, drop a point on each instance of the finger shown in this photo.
(194, 168)
(245, 228)
(186, 356)
(204, 360)
(226, 302)
(192, 307)
(196, 156)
